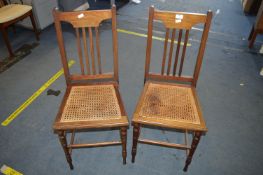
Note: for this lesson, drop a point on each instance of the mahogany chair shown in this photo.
(169, 99)
(11, 14)
(92, 99)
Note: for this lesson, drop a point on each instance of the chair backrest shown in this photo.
(183, 22)
(84, 21)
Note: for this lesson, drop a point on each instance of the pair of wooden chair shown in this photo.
(11, 14)
(92, 99)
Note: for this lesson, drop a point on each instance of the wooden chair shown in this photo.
(164, 103)
(11, 14)
(92, 99)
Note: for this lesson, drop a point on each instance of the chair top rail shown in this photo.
(84, 18)
(179, 20)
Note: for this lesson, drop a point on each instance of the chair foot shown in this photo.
(71, 166)
(124, 162)
(136, 134)
(11, 56)
(196, 139)
(123, 133)
(133, 159)
(185, 169)
(187, 163)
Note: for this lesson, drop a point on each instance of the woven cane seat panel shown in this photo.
(167, 102)
(91, 103)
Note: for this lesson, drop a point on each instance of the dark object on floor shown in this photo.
(257, 28)
(69, 5)
(53, 92)
(172, 105)
(104, 109)
(19, 54)
(105, 4)
(11, 14)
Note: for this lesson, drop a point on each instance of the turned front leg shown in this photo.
(123, 133)
(63, 141)
(136, 133)
(196, 139)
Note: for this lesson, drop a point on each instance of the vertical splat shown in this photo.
(80, 52)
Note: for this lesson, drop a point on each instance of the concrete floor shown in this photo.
(229, 89)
